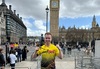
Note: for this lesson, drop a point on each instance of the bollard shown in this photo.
(75, 62)
(82, 63)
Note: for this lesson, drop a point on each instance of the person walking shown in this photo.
(24, 53)
(48, 52)
(19, 54)
(13, 59)
(2, 60)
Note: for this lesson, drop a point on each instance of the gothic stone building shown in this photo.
(80, 35)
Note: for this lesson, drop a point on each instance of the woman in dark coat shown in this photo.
(2, 60)
(24, 53)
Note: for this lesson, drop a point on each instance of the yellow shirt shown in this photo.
(48, 54)
(15, 45)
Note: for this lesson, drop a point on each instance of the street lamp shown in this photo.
(47, 10)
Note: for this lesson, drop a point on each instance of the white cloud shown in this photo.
(79, 8)
(68, 8)
(27, 23)
(35, 28)
(35, 32)
(85, 27)
(30, 8)
(39, 25)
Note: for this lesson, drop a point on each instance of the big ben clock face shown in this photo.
(54, 4)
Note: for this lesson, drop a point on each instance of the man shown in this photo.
(19, 54)
(13, 59)
(2, 60)
(48, 52)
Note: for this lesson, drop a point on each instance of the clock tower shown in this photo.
(54, 17)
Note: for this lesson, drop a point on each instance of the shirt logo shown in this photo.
(50, 51)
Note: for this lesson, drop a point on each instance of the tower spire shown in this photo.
(94, 19)
(3, 1)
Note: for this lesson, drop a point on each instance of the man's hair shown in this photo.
(48, 33)
(13, 51)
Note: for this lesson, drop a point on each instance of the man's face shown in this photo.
(48, 38)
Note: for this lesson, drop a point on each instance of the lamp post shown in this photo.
(47, 10)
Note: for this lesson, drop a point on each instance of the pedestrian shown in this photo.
(79, 47)
(24, 53)
(13, 59)
(8, 57)
(11, 49)
(2, 60)
(19, 54)
(16, 53)
(69, 50)
(48, 52)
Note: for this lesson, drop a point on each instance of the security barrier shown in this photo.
(96, 62)
(83, 61)
(86, 62)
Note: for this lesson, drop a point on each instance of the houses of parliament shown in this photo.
(80, 35)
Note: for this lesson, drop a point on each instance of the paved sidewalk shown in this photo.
(24, 65)
(65, 65)
(33, 65)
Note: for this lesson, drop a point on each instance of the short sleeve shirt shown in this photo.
(48, 56)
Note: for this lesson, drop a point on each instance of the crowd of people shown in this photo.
(67, 48)
(48, 51)
(16, 54)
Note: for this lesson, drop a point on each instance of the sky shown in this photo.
(78, 13)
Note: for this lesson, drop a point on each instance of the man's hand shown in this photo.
(58, 47)
(35, 53)
(60, 52)
(37, 48)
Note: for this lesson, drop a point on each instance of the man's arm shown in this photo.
(34, 55)
(60, 52)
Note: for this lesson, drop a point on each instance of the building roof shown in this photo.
(14, 16)
(3, 3)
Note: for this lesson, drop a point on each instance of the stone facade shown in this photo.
(80, 35)
(54, 17)
(2, 29)
(16, 31)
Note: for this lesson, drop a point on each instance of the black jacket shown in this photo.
(2, 60)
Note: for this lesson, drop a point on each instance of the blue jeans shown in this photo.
(19, 58)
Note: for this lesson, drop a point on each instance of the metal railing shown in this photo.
(96, 63)
(86, 62)
(83, 61)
